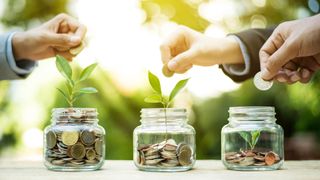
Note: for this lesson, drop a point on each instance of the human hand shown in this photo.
(292, 53)
(57, 36)
(186, 47)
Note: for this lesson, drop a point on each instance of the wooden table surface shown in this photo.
(125, 170)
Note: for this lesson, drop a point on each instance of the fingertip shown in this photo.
(172, 65)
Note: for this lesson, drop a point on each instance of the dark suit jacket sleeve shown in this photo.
(253, 39)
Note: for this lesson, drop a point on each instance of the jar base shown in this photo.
(167, 169)
(254, 168)
(74, 169)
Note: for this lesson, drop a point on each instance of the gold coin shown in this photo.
(70, 137)
(91, 154)
(78, 151)
(166, 71)
(51, 139)
(87, 137)
(184, 154)
(78, 49)
(98, 146)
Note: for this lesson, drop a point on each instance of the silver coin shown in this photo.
(261, 84)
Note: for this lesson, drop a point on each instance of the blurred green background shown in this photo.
(297, 106)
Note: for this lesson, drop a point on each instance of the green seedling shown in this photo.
(73, 91)
(251, 137)
(158, 96)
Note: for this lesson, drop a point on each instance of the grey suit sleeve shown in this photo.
(253, 40)
(9, 68)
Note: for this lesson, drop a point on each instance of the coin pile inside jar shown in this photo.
(165, 154)
(74, 148)
(250, 158)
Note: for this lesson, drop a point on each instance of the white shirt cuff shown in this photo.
(239, 69)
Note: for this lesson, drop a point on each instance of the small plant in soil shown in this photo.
(73, 90)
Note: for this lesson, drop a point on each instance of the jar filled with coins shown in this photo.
(252, 140)
(74, 141)
(164, 141)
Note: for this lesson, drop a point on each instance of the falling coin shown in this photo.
(78, 151)
(51, 139)
(261, 84)
(166, 71)
(87, 137)
(69, 137)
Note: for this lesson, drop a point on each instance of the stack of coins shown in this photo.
(250, 158)
(165, 154)
(73, 147)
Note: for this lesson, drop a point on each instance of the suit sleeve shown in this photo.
(9, 68)
(253, 40)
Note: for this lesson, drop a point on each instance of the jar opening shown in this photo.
(253, 114)
(74, 115)
(161, 115)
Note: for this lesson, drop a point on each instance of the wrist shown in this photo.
(18, 46)
(233, 54)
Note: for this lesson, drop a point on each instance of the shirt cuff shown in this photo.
(22, 67)
(239, 69)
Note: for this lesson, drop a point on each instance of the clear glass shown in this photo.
(252, 140)
(74, 141)
(164, 141)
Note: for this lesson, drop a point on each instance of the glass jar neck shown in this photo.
(252, 115)
(163, 116)
(74, 116)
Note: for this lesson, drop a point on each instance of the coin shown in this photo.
(87, 137)
(90, 154)
(247, 161)
(261, 84)
(184, 152)
(77, 151)
(51, 139)
(78, 49)
(270, 158)
(98, 146)
(69, 137)
(166, 71)
(58, 162)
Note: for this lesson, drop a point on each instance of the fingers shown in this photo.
(181, 62)
(62, 40)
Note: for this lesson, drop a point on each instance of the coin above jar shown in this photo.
(260, 83)
(165, 154)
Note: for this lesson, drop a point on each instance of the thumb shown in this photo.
(179, 62)
(63, 40)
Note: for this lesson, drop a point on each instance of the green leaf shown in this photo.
(154, 82)
(246, 137)
(180, 85)
(64, 67)
(88, 90)
(254, 138)
(87, 72)
(154, 98)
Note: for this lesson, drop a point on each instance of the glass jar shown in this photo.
(164, 141)
(252, 140)
(74, 141)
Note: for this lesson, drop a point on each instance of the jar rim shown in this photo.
(160, 114)
(252, 114)
(251, 109)
(74, 114)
